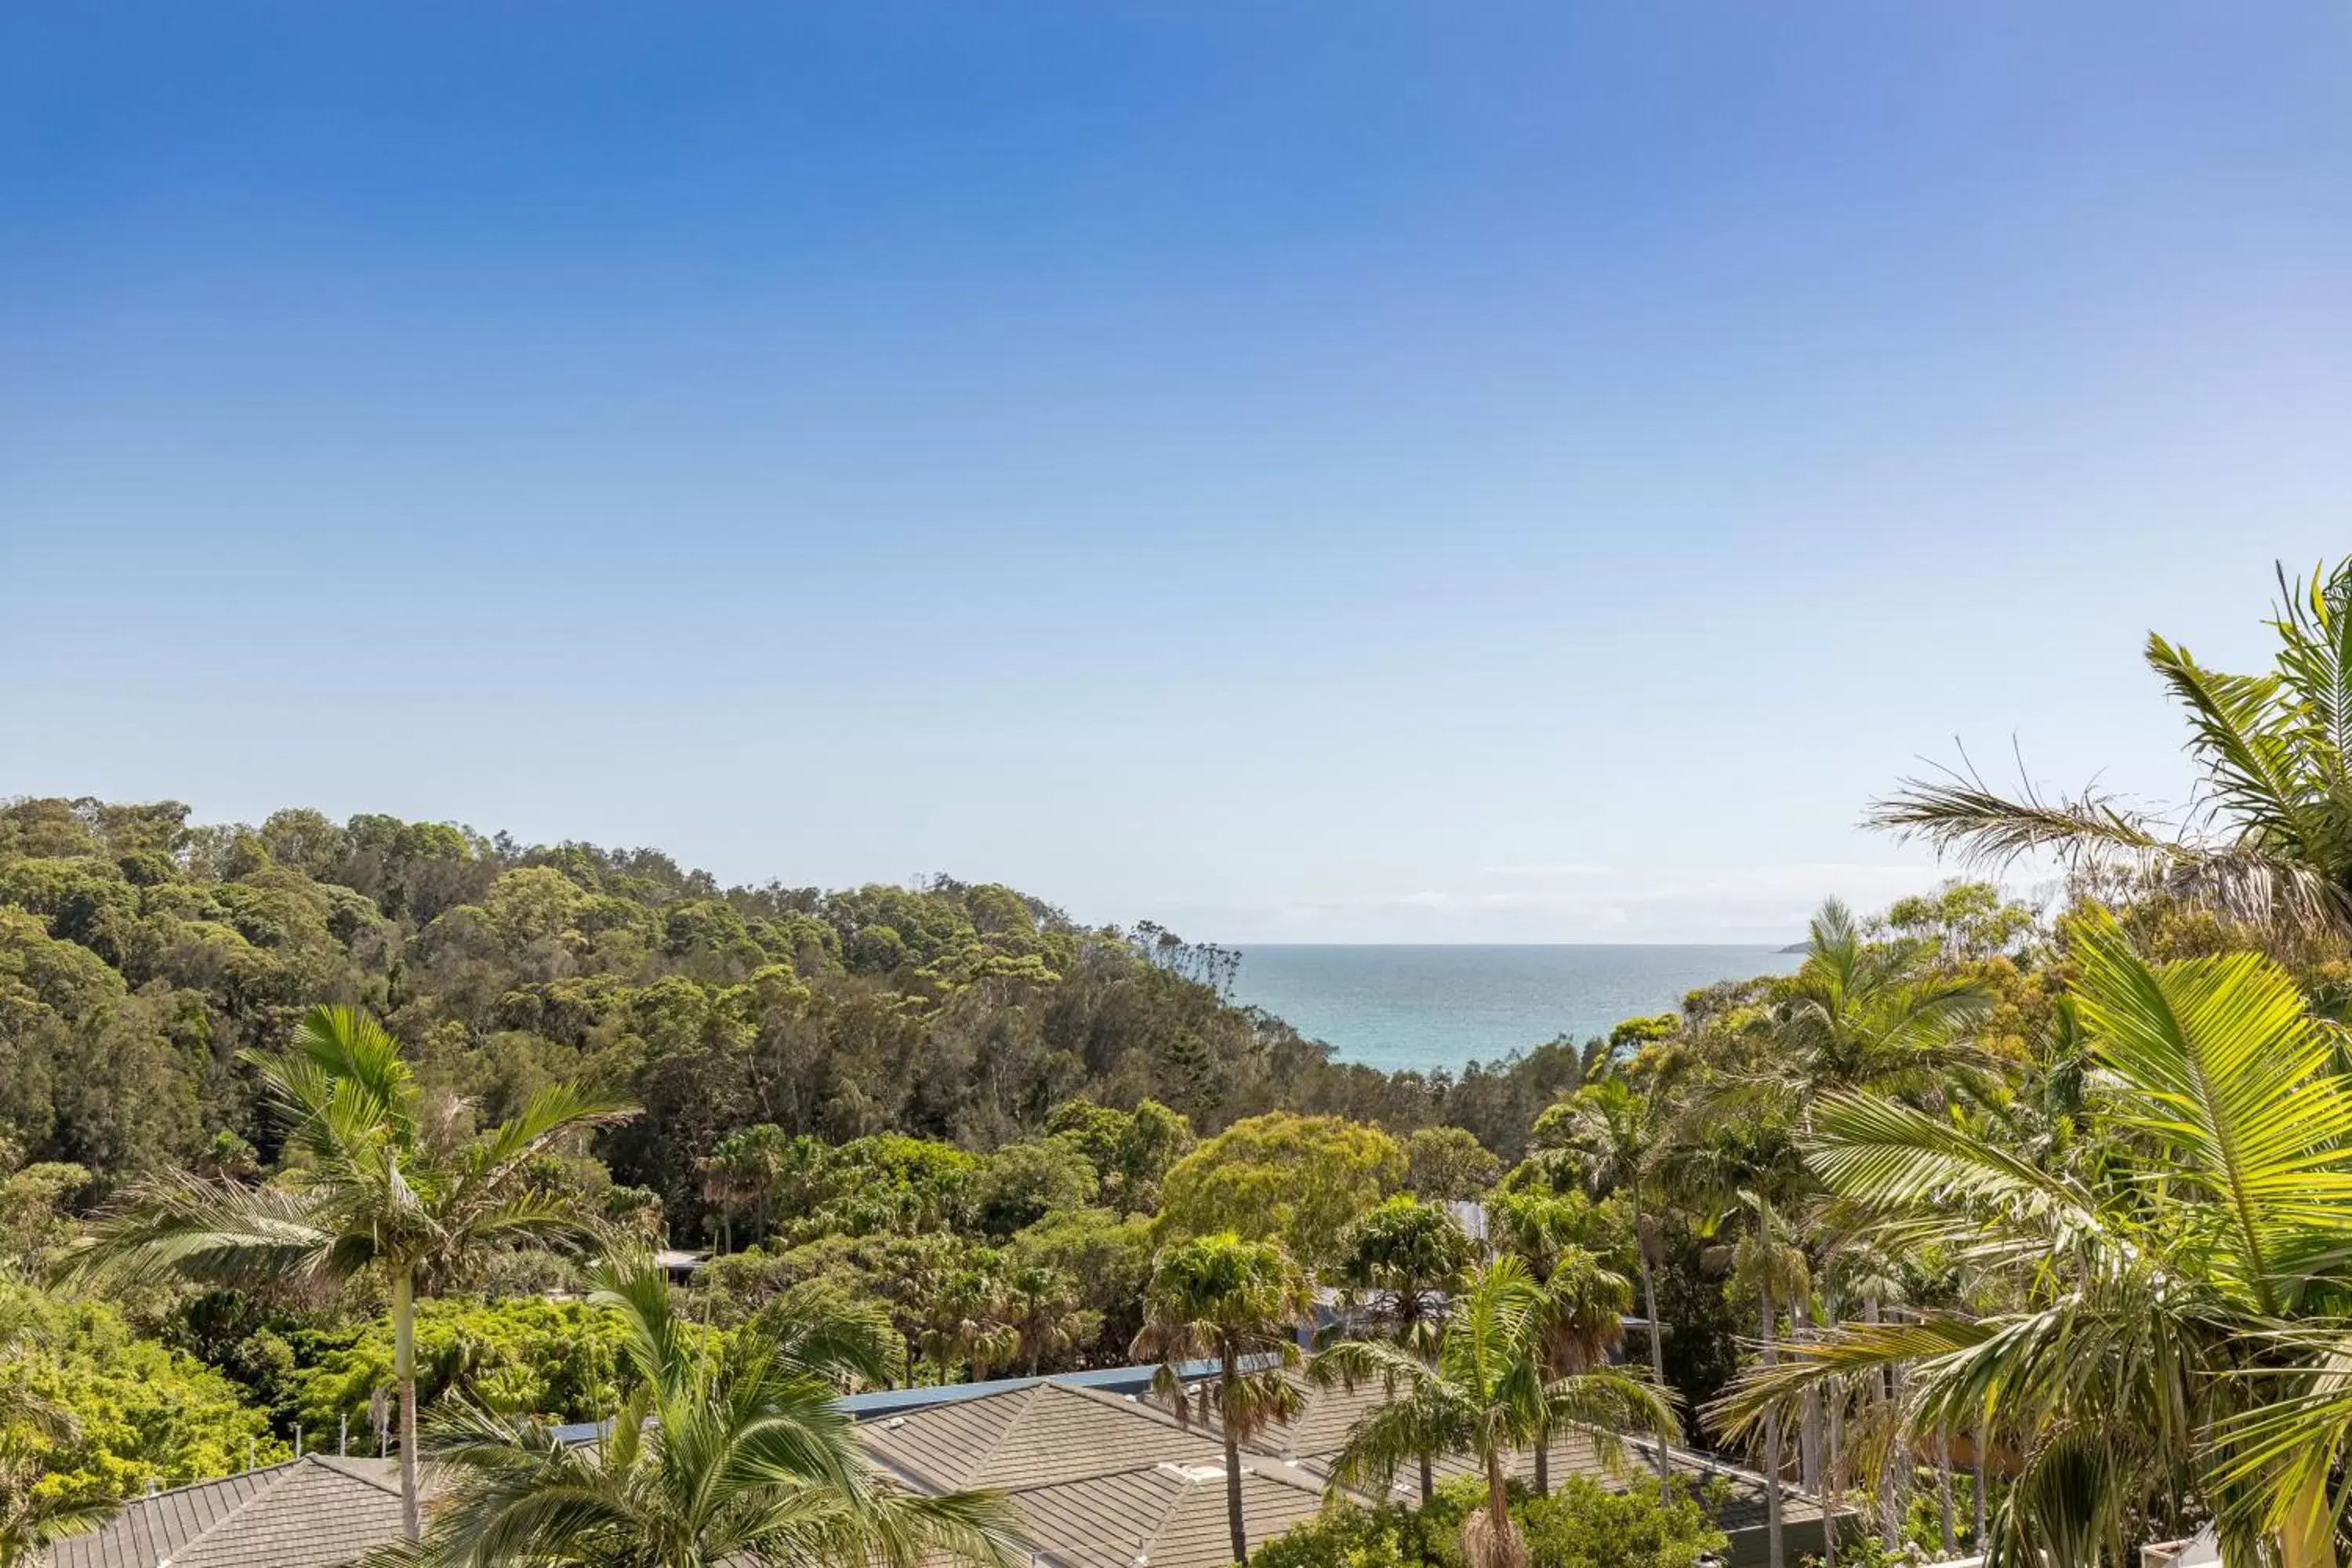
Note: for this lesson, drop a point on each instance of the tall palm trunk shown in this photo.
(1977, 1477)
(1830, 1477)
(1543, 1463)
(1890, 1507)
(1233, 1458)
(1489, 1538)
(1808, 1434)
(1771, 1439)
(403, 1371)
(1428, 1480)
(1943, 1487)
(1649, 1305)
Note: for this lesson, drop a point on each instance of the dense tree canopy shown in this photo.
(141, 953)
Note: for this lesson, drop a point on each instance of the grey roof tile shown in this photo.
(311, 1512)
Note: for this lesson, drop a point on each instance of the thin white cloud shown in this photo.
(1566, 868)
(1769, 903)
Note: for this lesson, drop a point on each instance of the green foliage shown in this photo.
(548, 1358)
(1131, 1151)
(139, 1413)
(1401, 1259)
(752, 1465)
(1023, 1183)
(35, 1228)
(1580, 1525)
(1443, 1163)
(1648, 1525)
(1107, 1257)
(141, 956)
(1300, 1180)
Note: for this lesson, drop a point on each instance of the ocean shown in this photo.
(1440, 1007)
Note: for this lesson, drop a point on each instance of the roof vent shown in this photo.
(1193, 1475)
(894, 1424)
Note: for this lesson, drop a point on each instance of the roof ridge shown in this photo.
(1136, 1405)
(1260, 1441)
(262, 1494)
(1177, 1496)
(284, 1468)
(1024, 1411)
(343, 1465)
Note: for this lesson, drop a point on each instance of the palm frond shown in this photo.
(2248, 755)
(2217, 1060)
(1885, 1156)
(222, 1233)
(1961, 816)
(639, 1292)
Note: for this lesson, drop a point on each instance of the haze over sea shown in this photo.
(1440, 1007)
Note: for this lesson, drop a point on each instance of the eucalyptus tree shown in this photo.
(2269, 839)
(737, 1455)
(1487, 1394)
(378, 1190)
(1238, 1303)
(2174, 1301)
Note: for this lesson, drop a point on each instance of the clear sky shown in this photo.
(1416, 472)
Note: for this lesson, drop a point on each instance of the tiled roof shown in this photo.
(1163, 1516)
(1102, 1479)
(1099, 1479)
(311, 1512)
(1043, 1434)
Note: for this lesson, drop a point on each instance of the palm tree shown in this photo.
(748, 1167)
(2137, 1365)
(1238, 1303)
(1863, 1014)
(1584, 1310)
(1397, 1265)
(2271, 838)
(1045, 1318)
(967, 1321)
(374, 1190)
(738, 1456)
(1486, 1395)
(1767, 1260)
(1610, 1127)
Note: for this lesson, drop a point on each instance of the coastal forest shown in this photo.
(2018, 1217)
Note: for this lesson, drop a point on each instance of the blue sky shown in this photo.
(1404, 472)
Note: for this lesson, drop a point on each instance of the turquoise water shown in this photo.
(1440, 1007)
